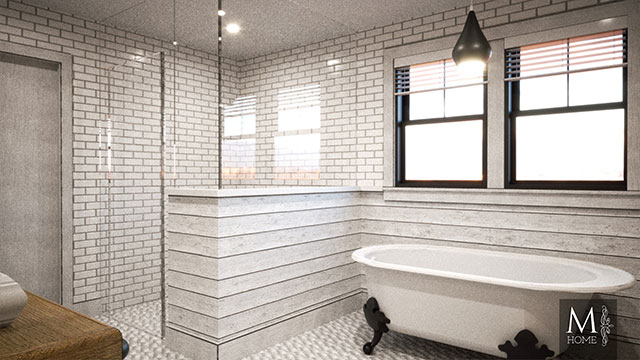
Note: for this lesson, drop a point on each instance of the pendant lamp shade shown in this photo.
(472, 49)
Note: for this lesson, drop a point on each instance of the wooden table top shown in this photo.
(46, 330)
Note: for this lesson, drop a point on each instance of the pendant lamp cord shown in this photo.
(471, 6)
(174, 22)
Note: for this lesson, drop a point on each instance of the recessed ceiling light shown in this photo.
(221, 12)
(233, 28)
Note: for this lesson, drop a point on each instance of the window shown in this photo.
(566, 109)
(239, 140)
(297, 141)
(440, 123)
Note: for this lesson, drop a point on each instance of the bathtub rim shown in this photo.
(623, 279)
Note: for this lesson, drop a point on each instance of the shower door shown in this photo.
(30, 174)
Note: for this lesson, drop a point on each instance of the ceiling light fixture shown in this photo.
(233, 28)
(472, 51)
(221, 12)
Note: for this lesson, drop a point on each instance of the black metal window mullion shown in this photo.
(567, 77)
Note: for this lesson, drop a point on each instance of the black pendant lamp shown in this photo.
(472, 51)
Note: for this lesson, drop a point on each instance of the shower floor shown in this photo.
(340, 339)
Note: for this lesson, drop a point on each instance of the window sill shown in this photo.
(625, 200)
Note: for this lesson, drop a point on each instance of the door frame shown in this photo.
(65, 63)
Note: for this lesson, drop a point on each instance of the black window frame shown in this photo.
(402, 120)
(512, 111)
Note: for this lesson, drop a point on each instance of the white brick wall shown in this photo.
(136, 140)
(351, 90)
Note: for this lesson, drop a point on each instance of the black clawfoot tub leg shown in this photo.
(368, 347)
(377, 321)
(526, 348)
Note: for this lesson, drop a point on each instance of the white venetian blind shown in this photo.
(433, 76)
(577, 54)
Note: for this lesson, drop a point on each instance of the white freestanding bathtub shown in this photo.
(478, 299)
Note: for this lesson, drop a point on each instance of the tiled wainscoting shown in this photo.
(250, 268)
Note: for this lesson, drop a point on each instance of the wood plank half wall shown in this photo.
(250, 268)
(247, 270)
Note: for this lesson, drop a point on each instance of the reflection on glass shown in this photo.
(299, 108)
(585, 146)
(444, 151)
(240, 117)
(297, 156)
(239, 159)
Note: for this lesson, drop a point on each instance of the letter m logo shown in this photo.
(573, 317)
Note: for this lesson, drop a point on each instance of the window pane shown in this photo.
(464, 101)
(585, 146)
(544, 92)
(444, 151)
(443, 74)
(595, 87)
(427, 105)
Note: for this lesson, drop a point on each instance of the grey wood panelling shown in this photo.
(237, 264)
(200, 284)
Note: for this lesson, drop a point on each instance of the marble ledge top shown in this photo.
(269, 191)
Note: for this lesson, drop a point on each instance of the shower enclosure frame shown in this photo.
(163, 137)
